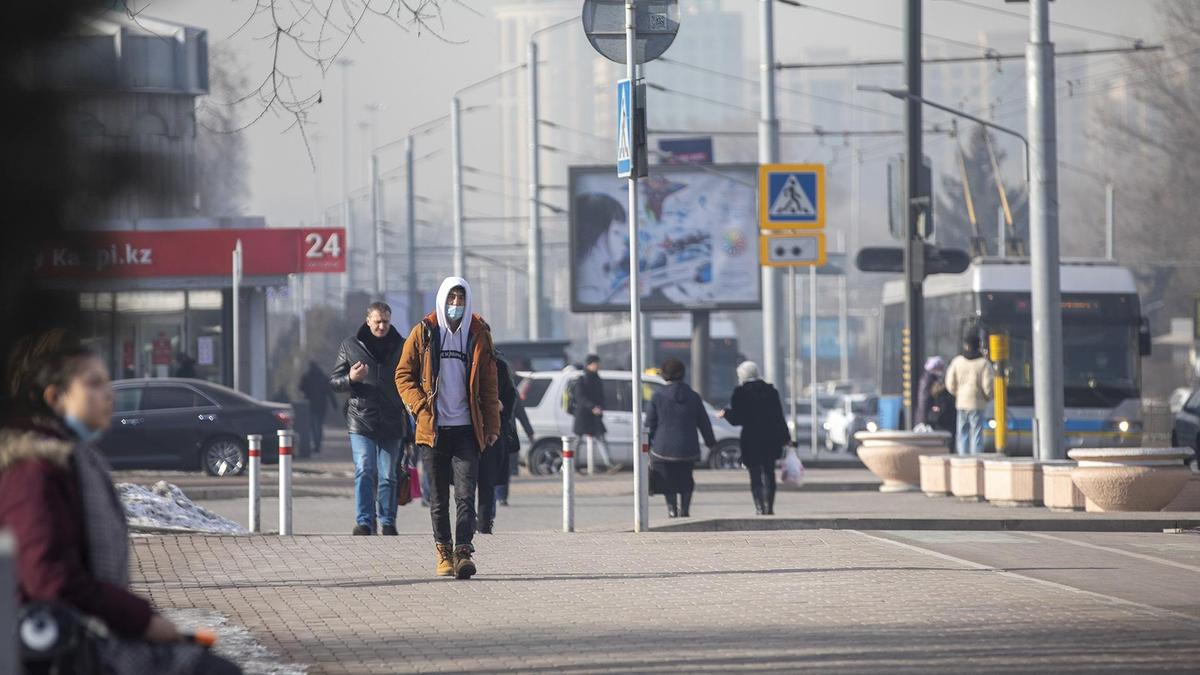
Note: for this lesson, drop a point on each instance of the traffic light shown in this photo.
(891, 259)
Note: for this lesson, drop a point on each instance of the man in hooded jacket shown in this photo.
(447, 378)
(375, 416)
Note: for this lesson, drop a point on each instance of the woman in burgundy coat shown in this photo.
(57, 498)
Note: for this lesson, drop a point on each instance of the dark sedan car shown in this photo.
(176, 423)
(1186, 432)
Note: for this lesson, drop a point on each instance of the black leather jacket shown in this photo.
(374, 408)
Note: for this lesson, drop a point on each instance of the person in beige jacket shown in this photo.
(969, 380)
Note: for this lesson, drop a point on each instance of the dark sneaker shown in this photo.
(464, 567)
(388, 531)
(362, 531)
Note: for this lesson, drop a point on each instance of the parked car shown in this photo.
(853, 413)
(1185, 433)
(801, 427)
(545, 395)
(178, 423)
(1178, 398)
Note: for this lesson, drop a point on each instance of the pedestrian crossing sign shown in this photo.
(791, 196)
(625, 138)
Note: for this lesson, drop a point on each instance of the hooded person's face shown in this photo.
(457, 297)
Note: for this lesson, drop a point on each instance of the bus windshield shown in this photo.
(1100, 365)
(1101, 360)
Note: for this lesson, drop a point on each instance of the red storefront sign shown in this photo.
(160, 354)
(196, 253)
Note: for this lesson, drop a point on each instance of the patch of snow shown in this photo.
(234, 642)
(166, 508)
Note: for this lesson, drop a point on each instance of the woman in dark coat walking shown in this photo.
(756, 408)
(673, 417)
(57, 498)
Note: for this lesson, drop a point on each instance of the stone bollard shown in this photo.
(254, 471)
(286, 439)
(568, 474)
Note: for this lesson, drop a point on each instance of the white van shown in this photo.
(545, 396)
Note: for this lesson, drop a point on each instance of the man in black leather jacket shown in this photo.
(375, 416)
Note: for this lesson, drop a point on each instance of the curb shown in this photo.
(949, 524)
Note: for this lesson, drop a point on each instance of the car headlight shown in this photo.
(871, 426)
(1123, 426)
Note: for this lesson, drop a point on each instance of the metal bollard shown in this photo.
(8, 604)
(286, 439)
(254, 470)
(568, 473)
(590, 456)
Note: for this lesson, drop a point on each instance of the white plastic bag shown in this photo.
(793, 470)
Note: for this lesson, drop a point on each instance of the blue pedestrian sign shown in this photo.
(791, 196)
(625, 140)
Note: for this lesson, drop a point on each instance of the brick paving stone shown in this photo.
(618, 602)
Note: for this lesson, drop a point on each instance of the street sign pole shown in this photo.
(812, 353)
(641, 484)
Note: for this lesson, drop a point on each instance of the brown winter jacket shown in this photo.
(416, 380)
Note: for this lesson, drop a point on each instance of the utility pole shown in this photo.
(1110, 221)
(376, 225)
(768, 153)
(1043, 235)
(914, 246)
(410, 232)
(535, 200)
(460, 263)
(843, 315)
(347, 215)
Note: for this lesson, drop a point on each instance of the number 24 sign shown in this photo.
(322, 251)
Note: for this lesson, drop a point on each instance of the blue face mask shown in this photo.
(83, 431)
(455, 312)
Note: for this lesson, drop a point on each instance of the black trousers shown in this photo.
(762, 482)
(456, 456)
(493, 471)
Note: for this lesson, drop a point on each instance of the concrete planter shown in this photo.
(1012, 482)
(893, 456)
(966, 476)
(1058, 490)
(1130, 479)
(935, 474)
(1189, 496)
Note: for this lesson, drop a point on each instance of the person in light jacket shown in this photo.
(969, 380)
(674, 415)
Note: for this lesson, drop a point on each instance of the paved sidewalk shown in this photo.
(763, 601)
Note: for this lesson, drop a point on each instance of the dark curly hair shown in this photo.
(672, 370)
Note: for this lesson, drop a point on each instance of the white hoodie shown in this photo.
(453, 409)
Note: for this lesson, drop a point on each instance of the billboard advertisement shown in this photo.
(697, 231)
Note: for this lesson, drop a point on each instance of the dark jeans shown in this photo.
(456, 454)
(762, 482)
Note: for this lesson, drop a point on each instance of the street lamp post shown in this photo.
(456, 169)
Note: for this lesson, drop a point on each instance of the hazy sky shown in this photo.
(413, 76)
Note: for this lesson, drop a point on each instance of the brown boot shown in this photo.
(445, 560)
(464, 567)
